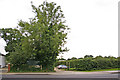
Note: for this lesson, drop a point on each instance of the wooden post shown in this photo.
(41, 67)
(69, 65)
(8, 67)
(66, 65)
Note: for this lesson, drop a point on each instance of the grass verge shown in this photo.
(73, 69)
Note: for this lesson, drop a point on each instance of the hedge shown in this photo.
(88, 64)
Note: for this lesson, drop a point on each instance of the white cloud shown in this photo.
(93, 23)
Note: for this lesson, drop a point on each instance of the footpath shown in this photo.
(58, 72)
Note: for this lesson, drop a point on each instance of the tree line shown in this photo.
(90, 63)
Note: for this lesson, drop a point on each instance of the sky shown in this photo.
(93, 23)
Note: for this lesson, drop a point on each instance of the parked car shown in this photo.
(62, 67)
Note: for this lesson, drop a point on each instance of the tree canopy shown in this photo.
(41, 39)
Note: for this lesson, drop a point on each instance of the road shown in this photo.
(64, 75)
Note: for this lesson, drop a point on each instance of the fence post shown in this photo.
(8, 67)
(41, 67)
(69, 65)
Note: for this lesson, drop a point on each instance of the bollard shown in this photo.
(8, 67)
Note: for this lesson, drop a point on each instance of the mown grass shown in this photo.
(73, 69)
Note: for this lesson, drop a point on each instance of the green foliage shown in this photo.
(28, 68)
(41, 39)
(61, 59)
(88, 56)
(73, 58)
(87, 64)
(12, 37)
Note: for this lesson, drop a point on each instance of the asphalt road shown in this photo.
(62, 77)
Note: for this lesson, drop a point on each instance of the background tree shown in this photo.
(97, 57)
(88, 56)
(69, 59)
(61, 59)
(73, 58)
(80, 58)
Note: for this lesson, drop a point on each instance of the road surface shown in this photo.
(64, 75)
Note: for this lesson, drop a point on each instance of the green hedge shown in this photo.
(88, 64)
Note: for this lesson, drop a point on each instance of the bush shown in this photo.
(24, 68)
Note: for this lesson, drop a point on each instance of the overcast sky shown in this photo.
(93, 23)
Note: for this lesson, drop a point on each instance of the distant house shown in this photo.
(2, 60)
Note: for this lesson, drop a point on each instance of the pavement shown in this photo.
(58, 72)
(39, 76)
